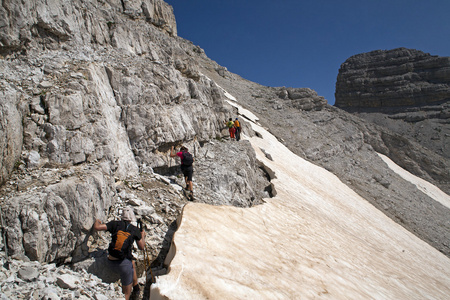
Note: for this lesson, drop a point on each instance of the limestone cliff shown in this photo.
(393, 78)
(404, 90)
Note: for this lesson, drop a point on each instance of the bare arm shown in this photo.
(99, 226)
(172, 153)
(141, 242)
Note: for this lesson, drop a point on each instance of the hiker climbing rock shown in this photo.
(231, 128)
(186, 168)
(237, 127)
(123, 235)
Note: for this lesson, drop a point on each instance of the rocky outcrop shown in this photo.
(49, 223)
(46, 24)
(11, 132)
(48, 85)
(300, 98)
(406, 91)
(391, 79)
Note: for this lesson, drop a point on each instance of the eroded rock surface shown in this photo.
(393, 78)
(404, 90)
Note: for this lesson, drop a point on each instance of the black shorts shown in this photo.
(187, 171)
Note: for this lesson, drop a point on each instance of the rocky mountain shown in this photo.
(405, 90)
(393, 79)
(93, 94)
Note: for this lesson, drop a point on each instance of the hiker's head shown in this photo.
(231, 119)
(183, 148)
(236, 118)
(128, 215)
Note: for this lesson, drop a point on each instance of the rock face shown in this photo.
(394, 78)
(405, 90)
(83, 22)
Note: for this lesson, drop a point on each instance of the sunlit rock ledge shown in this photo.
(316, 238)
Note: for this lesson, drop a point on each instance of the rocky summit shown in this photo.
(393, 78)
(94, 94)
(405, 90)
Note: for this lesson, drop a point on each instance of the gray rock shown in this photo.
(404, 90)
(28, 273)
(393, 78)
(10, 131)
(45, 84)
(3, 296)
(99, 296)
(67, 281)
(33, 159)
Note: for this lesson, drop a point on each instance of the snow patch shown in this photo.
(423, 185)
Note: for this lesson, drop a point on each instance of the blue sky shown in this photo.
(297, 43)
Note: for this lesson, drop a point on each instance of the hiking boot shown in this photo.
(187, 194)
(191, 196)
(135, 293)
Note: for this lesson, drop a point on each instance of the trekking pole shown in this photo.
(146, 257)
(4, 234)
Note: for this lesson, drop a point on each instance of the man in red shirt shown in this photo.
(186, 168)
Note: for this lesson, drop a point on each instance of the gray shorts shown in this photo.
(125, 269)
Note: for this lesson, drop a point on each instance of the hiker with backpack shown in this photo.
(231, 128)
(186, 168)
(123, 235)
(237, 127)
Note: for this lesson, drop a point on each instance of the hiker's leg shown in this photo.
(189, 173)
(135, 279)
(185, 175)
(186, 180)
(126, 275)
(126, 290)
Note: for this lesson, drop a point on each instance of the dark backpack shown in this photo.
(187, 159)
(121, 243)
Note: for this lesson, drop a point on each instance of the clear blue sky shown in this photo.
(302, 43)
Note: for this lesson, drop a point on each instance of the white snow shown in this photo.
(315, 239)
(245, 112)
(426, 187)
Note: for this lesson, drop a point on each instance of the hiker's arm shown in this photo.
(172, 153)
(141, 242)
(99, 226)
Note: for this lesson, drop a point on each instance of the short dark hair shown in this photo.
(230, 119)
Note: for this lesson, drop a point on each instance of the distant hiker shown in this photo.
(237, 126)
(123, 235)
(231, 129)
(186, 168)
